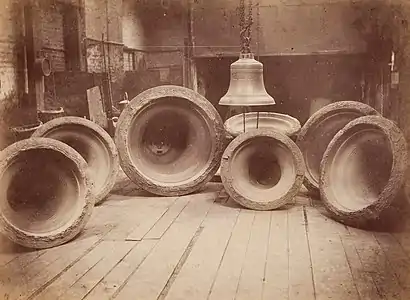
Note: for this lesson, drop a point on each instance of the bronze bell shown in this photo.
(246, 87)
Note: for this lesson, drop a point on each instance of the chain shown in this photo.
(242, 25)
(250, 23)
(258, 27)
(245, 26)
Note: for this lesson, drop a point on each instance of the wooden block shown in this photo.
(276, 284)
(194, 281)
(107, 287)
(96, 107)
(229, 272)
(151, 277)
(253, 271)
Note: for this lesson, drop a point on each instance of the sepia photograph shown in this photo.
(204, 149)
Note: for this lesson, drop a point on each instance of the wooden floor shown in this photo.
(204, 246)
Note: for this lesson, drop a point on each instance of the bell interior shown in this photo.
(87, 143)
(321, 135)
(170, 141)
(360, 170)
(38, 191)
(262, 169)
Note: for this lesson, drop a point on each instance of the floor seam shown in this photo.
(310, 252)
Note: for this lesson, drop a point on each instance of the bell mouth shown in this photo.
(354, 173)
(279, 122)
(91, 146)
(261, 168)
(320, 129)
(363, 170)
(49, 202)
(170, 141)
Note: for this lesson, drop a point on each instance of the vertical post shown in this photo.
(33, 51)
(73, 37)
(244, 121)
(190, 66)
(107, 98)
(257, 120)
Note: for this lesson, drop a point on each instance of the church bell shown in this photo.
(246, 87)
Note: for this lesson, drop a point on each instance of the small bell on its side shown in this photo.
(246, 86)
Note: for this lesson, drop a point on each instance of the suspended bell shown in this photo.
(246, 87)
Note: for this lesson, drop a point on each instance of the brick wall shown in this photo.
(51, 16)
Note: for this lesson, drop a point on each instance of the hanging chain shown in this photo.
(245, 26)
(258, 28)
(249, 25)
(242, 25)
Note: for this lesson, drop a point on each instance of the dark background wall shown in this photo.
(281, 27)
(293, 81)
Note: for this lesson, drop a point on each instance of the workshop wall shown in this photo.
(11, 70)
(133, 34)
(164, 23)
(402, 111)
(280, 27)
(52, 33)
(105, 18)
(155, 32)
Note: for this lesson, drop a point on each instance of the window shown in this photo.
(129, 60)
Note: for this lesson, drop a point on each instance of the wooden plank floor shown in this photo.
(205, 246)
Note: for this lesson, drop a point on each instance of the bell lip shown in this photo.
(226, 102)
(292, 127)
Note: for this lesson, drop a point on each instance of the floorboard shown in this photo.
(194, 280)
(151, 277)
(253, 269)
(227, 278)
(116, 278)
(376, 263)
(331, 271)
(301, 285)
(276, 283)
(206, 246)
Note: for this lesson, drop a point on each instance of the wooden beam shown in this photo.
(72, 37)
(33, 39)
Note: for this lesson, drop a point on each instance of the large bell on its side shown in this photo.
(246, 87)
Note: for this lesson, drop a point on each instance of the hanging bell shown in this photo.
(246, 87)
